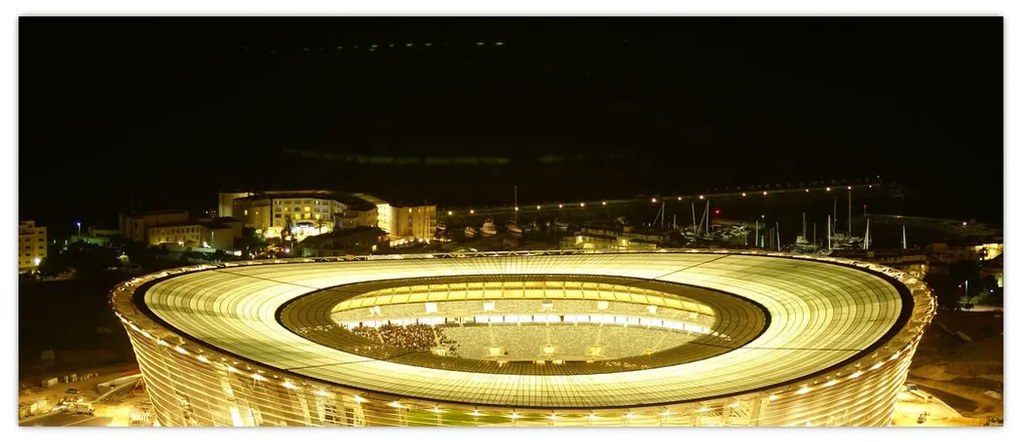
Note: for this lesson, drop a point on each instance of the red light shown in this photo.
(717, 211)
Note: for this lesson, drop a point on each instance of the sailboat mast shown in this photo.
(693, 218)
(904, 237)
(867, 234)
(834, 199)
(849, 208)
(778, 244)
(828, 229)
(708, 218)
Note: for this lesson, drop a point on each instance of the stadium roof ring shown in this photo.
(794, 340)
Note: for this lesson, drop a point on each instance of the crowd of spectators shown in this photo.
(416, 337)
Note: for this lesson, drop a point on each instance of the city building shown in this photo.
(226, 202)
(912, 261)
(358, 212)
(302, 213)
(211, 235)
(614, 238)
(384, 213)
(135, 227)
(31, 246)
(410, 222)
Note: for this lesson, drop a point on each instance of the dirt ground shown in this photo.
(966, 375)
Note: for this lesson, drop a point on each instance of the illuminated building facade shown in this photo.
(226, 202)
(609, 238)
(412, 222)
(789, 340)
(31, 246)
(192, 235)
(305, 212)
(135, 227)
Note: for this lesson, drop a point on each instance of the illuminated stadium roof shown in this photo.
(820, 315)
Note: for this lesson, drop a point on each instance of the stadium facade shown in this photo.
(751, 339)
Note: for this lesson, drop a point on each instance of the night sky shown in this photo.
(166, 112)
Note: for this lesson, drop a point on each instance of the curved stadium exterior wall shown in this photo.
(213, 351)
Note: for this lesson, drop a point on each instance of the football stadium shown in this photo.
(543, 338)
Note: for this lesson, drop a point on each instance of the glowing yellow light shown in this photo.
(735, 405)
(877, 365)
(743, 193)
(133, 327)
(582, 204)
(288, 385)
(538, 207)
(603, 203)
(233, 369)
(472, 211)
(830, 383)
(449, 213)
(204, 359)
(667, 413)
(629, 416)
(894, 356)
(181, 350)
(561, 206)
(803, 390)
(162, 342)
(773, 397)
(258, 377)
(553, 417)
(703, 410)
(827, 189)
(847, 187)
(394, 404)
(436, 410)
(765, 193)
(654, 200)
(679, 198)
(476, 413)
(322, 393)
(592, 416)
(855, 375)
(807, 190)
(516, 209)
(514, 415)
(146, 334)
(360, 399)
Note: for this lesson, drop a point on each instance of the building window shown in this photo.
(308, 209)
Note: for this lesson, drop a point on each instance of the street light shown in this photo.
(78, 223)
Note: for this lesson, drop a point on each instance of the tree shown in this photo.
(946, 291)
(46, 358)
